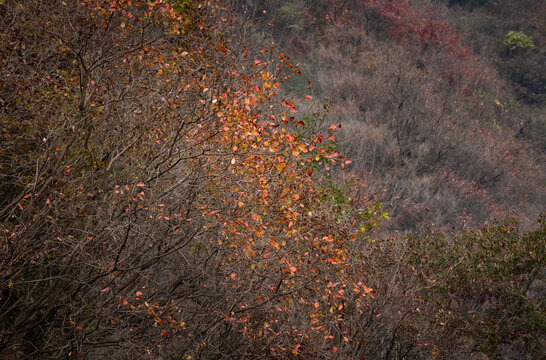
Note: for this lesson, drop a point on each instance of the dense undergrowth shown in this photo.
(163, 197)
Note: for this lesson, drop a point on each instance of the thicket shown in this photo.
(476, 295)
(161, 198)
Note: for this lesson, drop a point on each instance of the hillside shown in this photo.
(441, 112)
(172, 186)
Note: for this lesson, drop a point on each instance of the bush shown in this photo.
(157, 202)
(476, 294)
(486, 287)
(515, 40)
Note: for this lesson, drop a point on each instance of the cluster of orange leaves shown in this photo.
(287, 256)
(284, 252)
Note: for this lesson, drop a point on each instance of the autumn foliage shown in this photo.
(157, 199)
(162, 197)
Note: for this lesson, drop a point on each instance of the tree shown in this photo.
(155, 200)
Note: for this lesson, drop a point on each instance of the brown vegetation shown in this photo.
(162, 197)
(424, 115)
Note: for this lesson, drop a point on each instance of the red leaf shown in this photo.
(367, 290)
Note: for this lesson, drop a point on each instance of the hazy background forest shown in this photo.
(283, 179)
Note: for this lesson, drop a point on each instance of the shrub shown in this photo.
(515, 40)
(157, 202)
(485, 287)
